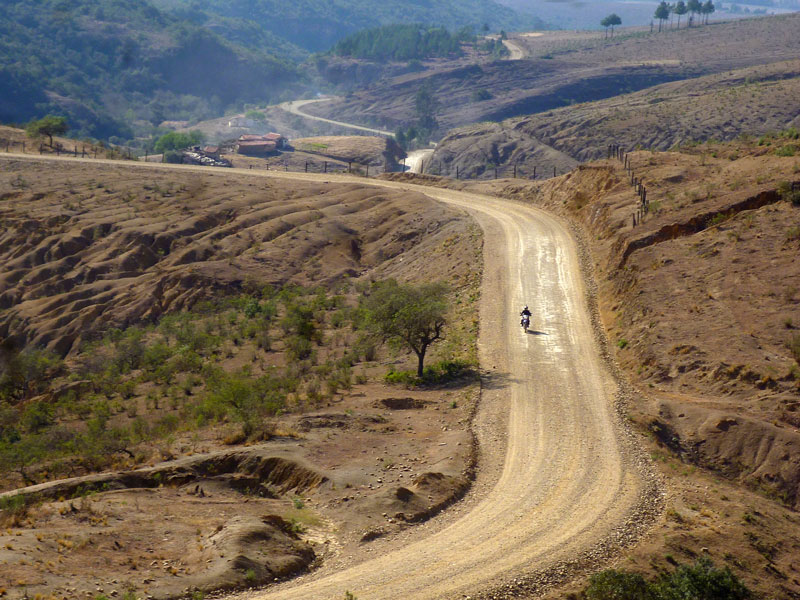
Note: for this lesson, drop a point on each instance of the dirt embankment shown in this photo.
(364, 150)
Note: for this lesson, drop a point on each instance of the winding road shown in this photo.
(294, 107)
(555, 480)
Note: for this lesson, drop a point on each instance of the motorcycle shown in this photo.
(526, 322)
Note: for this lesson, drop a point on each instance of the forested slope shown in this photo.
(316, 25)
(110, 66)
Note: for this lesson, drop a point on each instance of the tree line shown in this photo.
(404, 42)
(665, 10)
(680, 8)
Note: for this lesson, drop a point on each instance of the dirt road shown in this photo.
(564, 484)
(555, 478)
(294, 107)
(516, 51)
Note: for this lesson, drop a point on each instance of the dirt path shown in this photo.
(294, 107)
(416, 159)
(555, 480)
(517, 52)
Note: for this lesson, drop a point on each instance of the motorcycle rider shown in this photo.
(525, 314)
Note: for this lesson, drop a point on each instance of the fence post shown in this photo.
(554, 171)
(41, 148)
(515, 170)
(456, 172)
(367, 171)
(306, 167)
(326, 166)
(421, 167)
(495, 172)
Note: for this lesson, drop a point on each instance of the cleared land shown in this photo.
(549, 386)
(176, 294)
(571, 71)
(753, 101)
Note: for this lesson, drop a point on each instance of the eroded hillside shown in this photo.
(222, 418)
(85, 246)
(754, 100)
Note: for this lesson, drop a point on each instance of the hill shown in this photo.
(699, 307)
(565, 69)
(317, 25)
(118, 68)
(753, 101)
(211, 319)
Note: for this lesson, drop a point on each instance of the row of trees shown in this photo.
(680, 8)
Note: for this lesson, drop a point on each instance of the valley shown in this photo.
(200, 391)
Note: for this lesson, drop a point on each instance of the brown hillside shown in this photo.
(580, 71)
(201, 446)
(87, 246)
(755, 101)
(361, 149)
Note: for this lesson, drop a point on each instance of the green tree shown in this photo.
(695, 8)
(612, 20)
(700, 581)
(177, 141)
(426, 106)
(257, 115)
(407, 315)
(680, 10)
(617, 585)
(708, 8)
(662, 14)
(50, 125)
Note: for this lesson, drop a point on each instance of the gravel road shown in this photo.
(547, 428)
(559, 480)
(295, 107)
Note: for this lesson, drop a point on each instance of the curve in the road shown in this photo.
(515, 50)
(564, 483)
(294, 107)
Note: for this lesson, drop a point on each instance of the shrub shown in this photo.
(788, 194)
(617, 585)
(28, 373)
(700, 581)
(298, 347)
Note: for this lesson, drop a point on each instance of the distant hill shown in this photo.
(753, 100)
(316, 25)
(117, 67)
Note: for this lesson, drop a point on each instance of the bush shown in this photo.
(617, 585)
(788, 194)
(700, 581)
(298, 347)
(28, 373)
